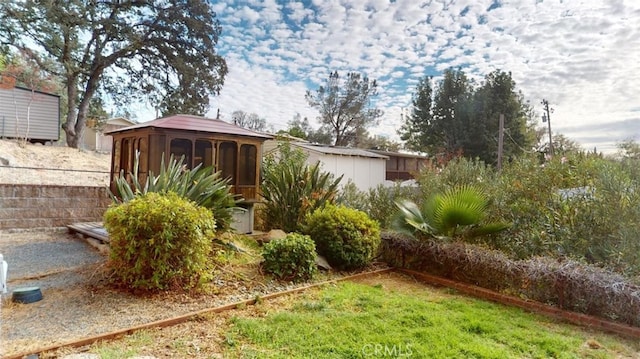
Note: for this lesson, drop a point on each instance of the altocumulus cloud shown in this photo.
(581, 56)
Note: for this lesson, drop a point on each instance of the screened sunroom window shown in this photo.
(181, 147)
(227, 160)
(248, 157)
(204, 153)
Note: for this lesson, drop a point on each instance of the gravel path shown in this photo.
(52, 259)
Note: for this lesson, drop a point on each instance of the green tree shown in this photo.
(298, 127)
(415, 130)
(345, 106)
(451, 113)
(459, 117)
(301, 128)
(498, 95)
(379, 143)
(158, 51)
(629, 148)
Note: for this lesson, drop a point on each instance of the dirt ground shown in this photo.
(79, 301)
(26, 163)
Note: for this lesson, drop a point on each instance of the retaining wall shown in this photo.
(46, 206)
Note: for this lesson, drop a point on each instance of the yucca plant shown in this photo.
(201, 185)
(456, 213)
(291, 189)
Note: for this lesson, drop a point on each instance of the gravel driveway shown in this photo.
(51, 259)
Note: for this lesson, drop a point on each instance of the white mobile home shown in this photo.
(364, 168)
(29, 114)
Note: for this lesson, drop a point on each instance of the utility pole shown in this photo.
(500, 141)
(546, 117)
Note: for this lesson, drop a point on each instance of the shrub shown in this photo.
(348, 238)
(350, 196)
(381, 200)
(291, 258)
(292, 189)
(160, 241)
(599, 226)
(201, 185)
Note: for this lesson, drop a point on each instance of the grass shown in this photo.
(353, 320)
(387, 316)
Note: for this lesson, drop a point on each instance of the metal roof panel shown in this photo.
(195, 123)
(342, 151)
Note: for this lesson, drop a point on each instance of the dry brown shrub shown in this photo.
(566, 284)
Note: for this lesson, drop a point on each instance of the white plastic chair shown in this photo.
(3, 275)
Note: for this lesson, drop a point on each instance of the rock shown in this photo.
(322, 263)
(273, 234)
(5, 161)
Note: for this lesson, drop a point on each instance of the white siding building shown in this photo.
(94, 137)
(364, 168)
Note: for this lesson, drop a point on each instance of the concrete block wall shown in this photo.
(40, 206)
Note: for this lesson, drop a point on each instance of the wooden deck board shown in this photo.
(90, 229)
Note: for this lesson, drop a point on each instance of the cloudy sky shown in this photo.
(582, 56)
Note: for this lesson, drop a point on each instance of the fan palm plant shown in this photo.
(455, 213)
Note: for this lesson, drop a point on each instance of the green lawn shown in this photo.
(352, 320)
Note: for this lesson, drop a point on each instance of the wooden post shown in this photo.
(500, 141)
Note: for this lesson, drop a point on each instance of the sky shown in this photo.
(581, 56)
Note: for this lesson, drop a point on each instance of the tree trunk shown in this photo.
(75, 129)
(69, 125)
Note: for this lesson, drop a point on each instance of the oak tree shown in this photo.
(161, 51)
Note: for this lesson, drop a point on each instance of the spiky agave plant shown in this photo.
(455, 213)
(201, 185)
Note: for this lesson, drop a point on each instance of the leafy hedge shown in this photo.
(160, 241)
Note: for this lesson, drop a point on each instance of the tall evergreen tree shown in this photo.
(451, 113)
(498, 95)
(464, 118)
(161, 51)
(415, 131)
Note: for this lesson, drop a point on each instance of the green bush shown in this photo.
(291, 258)
(348, 238)
(381, 202)
(292, 189)
(160, 241)
(201, 185)
(350, 196)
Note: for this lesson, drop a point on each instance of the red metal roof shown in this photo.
(195, 123)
